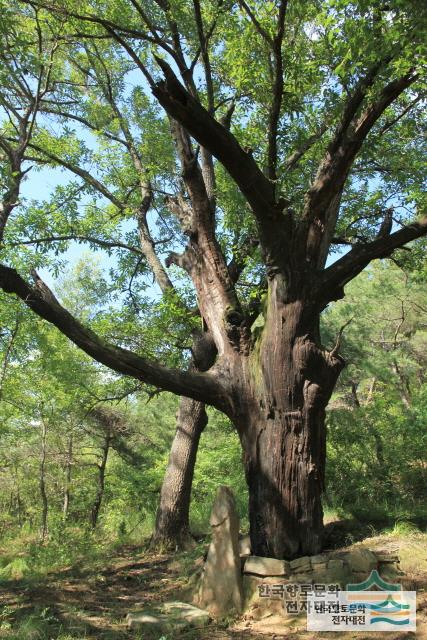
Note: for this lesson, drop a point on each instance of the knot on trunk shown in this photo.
(183, 212)
(182, 260)
(203, 350)
(237, 329)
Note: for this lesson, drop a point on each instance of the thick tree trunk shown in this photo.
(288, 380)
(172, 522)
(172, 528)
(285, 475)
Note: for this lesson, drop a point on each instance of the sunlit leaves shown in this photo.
(100, 115)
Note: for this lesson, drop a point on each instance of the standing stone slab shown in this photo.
(221, 589)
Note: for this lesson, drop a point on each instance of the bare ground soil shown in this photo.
(90, 604)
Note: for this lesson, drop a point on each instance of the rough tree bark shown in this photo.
(287, 381)
(274, 383)
(172, 528)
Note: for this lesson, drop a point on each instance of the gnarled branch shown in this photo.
(346, 268)
(40, 299)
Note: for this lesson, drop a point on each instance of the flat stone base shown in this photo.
(168, 618)
(265, 579)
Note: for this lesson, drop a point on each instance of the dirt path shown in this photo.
(92, 604)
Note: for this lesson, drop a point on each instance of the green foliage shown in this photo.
(219, 462)
(376, 421)
(104, 116)
(15, 569)
(97, 117)
(376, 424)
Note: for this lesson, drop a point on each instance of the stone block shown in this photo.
(362, 560)
(320, 567)
(300, 565)
(321, 558)
(169, 618)
(265, 566)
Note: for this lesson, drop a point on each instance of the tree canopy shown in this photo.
(239, 163)
(274, 92)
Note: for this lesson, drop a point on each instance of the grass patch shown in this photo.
(29, 561)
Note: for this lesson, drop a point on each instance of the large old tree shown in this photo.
(252, 156)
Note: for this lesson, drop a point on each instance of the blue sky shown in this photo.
(41, 183)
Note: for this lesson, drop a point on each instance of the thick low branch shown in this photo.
(346, 268)
(40, 299)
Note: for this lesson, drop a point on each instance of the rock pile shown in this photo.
(234, 581)
(334, 567)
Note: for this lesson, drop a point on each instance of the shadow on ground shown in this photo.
(77, 602)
